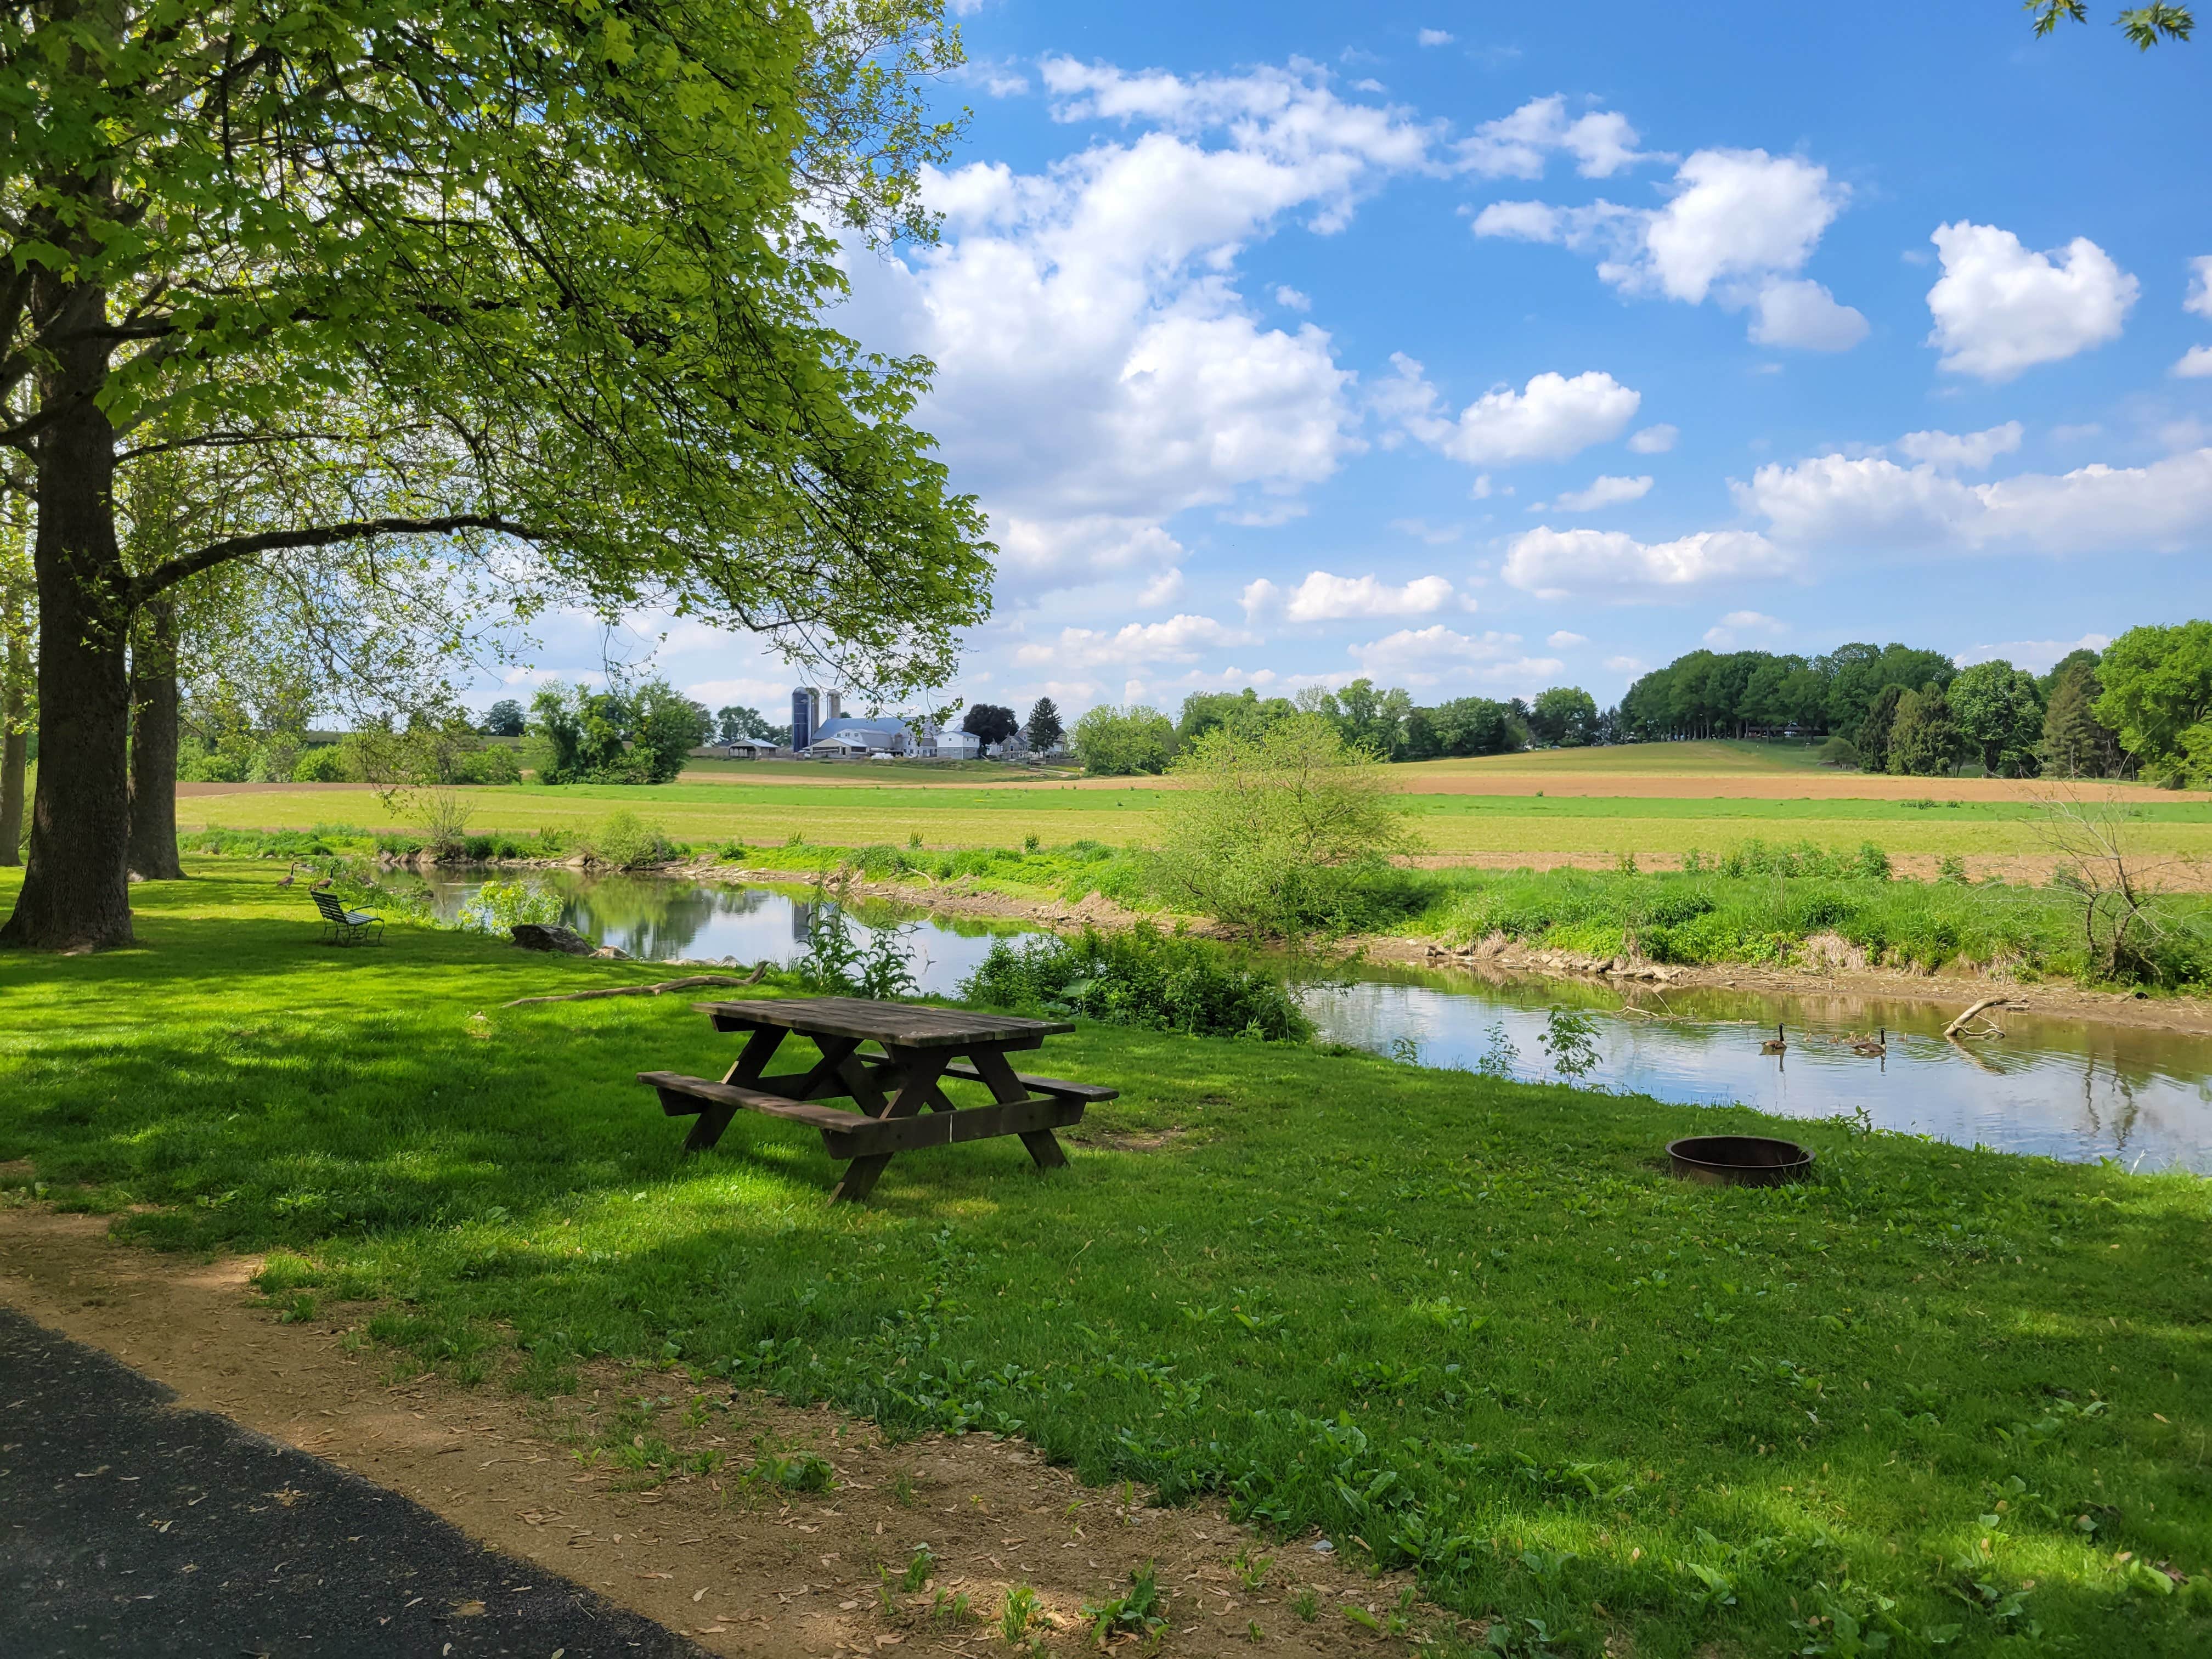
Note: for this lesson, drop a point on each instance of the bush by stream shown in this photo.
(1164, 981)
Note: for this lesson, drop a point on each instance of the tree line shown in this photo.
(2141, 707)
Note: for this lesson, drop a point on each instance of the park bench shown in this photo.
(901, 1104)
(344, 926)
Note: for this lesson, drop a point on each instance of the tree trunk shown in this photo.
(77, 892)
(154, 745)
(15, 748)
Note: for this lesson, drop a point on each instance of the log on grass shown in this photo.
(691, 982)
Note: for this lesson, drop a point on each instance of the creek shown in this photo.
(2063, 1088)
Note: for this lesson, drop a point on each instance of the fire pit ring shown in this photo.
(1740, 1160)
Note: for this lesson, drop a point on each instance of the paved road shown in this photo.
(127, 1527)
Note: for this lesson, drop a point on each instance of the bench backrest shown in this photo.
(332, 909)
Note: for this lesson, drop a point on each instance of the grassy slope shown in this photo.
(1723, 757)
(857, 815)
(1585, 1378)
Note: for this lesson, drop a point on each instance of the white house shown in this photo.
(952, 745)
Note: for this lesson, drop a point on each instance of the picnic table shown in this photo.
(899, 1102)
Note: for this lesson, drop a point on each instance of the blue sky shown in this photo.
(1479, 348)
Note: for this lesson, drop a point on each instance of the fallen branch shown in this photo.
(1951, 1032)
(691, 982)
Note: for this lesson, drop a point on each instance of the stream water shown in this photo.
(2062, 1088)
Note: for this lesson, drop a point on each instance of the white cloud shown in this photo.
(1804, 314)
(1563, 640)
(2196, 363)
(1163, 589)
(1267, 515)
(2199, 297)
(1098, 370)
(2037, 656)
(1625, 665)
(1436, 37)
(1291, 300)
(1427, 656)
(1325, 598)
(1606, 491)
(1724, 633)
(1654, 440)
(2000, 308)
(1179, 639)
(1739, 225)
(1551, 418)
(1972, 452)
(1871, 501)
(1517, 146)
(1557, 564)
(1435, 535)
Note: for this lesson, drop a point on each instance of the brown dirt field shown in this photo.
(740, 1569)
(2015, 869)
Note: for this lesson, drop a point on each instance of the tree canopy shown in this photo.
(581, 254)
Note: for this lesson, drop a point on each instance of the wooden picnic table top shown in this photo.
(894, 1025)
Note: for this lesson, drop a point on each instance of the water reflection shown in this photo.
(656, 920)
(2063, 1088)
(2066, 1089)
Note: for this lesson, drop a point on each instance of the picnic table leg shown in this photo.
(859, 1178)
(998, 1076)
(706, 1128)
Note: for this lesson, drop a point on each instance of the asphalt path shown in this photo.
(129, 1527)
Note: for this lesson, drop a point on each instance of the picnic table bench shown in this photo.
(899, 1102)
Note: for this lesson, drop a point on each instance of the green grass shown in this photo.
(767, 814)
(1447, 1320)
(1723, 757)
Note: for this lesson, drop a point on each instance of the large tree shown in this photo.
(2158, 696)
(1999, 711)
(582, 245)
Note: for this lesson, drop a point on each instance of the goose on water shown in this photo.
(1776, 1044)
(1876, 1045)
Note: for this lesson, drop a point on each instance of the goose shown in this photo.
(1776, 1044)
(290, 876)
(322, 886)
(1875, 1046)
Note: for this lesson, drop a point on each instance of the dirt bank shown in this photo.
(741, 1566)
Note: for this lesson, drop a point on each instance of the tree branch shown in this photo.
(186, 565)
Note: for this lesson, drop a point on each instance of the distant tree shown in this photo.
(2081, 656)
(613, 737)
(2144, 26)
(1925, 740)
(1873, 733)
(2158, 696)
(989, 723)
(1042, 730)
(1565, 717)
(1999, 709)
(1113, 742)
(2075, 743)
(737, 722)
(503, 719)
(1478, 726)
(1279, 824)
(1247, 710)
(1373, 720)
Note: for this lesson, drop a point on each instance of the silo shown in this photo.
(803, 719)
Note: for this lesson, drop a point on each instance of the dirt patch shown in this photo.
(741, 1564)
(1115, 1142)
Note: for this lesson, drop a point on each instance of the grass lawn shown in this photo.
(1957, 1397)
(857, 815)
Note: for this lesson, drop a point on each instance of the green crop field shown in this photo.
(1956, 1399)
(768, 814)
(1722, 757)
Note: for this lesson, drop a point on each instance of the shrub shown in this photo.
(493, 763)
(625, 841)
(1279, 826)
(1168, 982)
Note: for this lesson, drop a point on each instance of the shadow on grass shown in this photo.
(1446, 1321)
